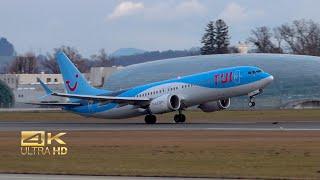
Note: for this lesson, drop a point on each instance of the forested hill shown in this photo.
(153, 55)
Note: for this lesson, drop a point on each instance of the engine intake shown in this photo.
(165, 103)
(215, 105)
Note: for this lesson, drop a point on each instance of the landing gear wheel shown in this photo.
(150, 119)
(251, 101)
(179, 118)
(252, 104)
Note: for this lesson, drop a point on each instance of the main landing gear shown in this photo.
(179, 118)
(150, 119)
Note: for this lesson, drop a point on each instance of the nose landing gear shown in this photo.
(251, 103)
(252, 95)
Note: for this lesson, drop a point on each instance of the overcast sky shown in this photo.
(89, 25)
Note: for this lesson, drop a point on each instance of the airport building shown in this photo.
(296, 84)
(26, 87)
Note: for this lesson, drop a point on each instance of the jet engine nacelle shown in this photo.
(215, 105)
(165, 103)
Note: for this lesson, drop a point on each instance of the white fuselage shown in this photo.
(192, 95)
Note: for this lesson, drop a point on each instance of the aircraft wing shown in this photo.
(54, 104)
(103, 99)
(107, 99)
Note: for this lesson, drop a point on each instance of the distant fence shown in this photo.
(30, 109)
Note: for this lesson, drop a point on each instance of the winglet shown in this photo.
(46, 88)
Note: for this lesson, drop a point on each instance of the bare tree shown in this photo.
(262, 39)
(51, 64)
(102, 59)
(301, 37)
(25, 64)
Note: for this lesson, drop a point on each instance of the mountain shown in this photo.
(152, 56)
(127, 52)
(6, 48)
(7, 54)
(195, 49)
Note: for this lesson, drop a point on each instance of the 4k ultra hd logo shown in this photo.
(42, 143)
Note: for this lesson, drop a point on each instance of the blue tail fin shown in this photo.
(74, 81)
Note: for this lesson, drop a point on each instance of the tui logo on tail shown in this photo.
(74, 87)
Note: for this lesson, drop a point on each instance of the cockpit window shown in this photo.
(254, 72)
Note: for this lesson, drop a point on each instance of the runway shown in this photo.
(255, 126)
(77, 177)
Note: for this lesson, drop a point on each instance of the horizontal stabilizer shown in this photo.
(45, 87)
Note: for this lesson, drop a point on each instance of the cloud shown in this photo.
(190, 7)
(126, 8)
(235, 13)
(163, 10)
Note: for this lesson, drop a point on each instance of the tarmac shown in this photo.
(237, 126)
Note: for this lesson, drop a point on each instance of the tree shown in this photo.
(216, 38)
(102, 59)
(26, 64)
(51, 64)
(262, 39)
(222, 37)
(208, 40)
(301, 37)
(6, 95)
(234, 50)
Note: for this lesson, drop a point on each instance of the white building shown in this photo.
(14, 80)
(98, 75)
(243, 48)
(26, 87)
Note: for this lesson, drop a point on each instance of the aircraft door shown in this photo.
(90, 102)
(236, 77)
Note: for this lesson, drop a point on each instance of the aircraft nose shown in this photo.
(270, 78)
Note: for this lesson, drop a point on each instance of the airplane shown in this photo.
(209, 91)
